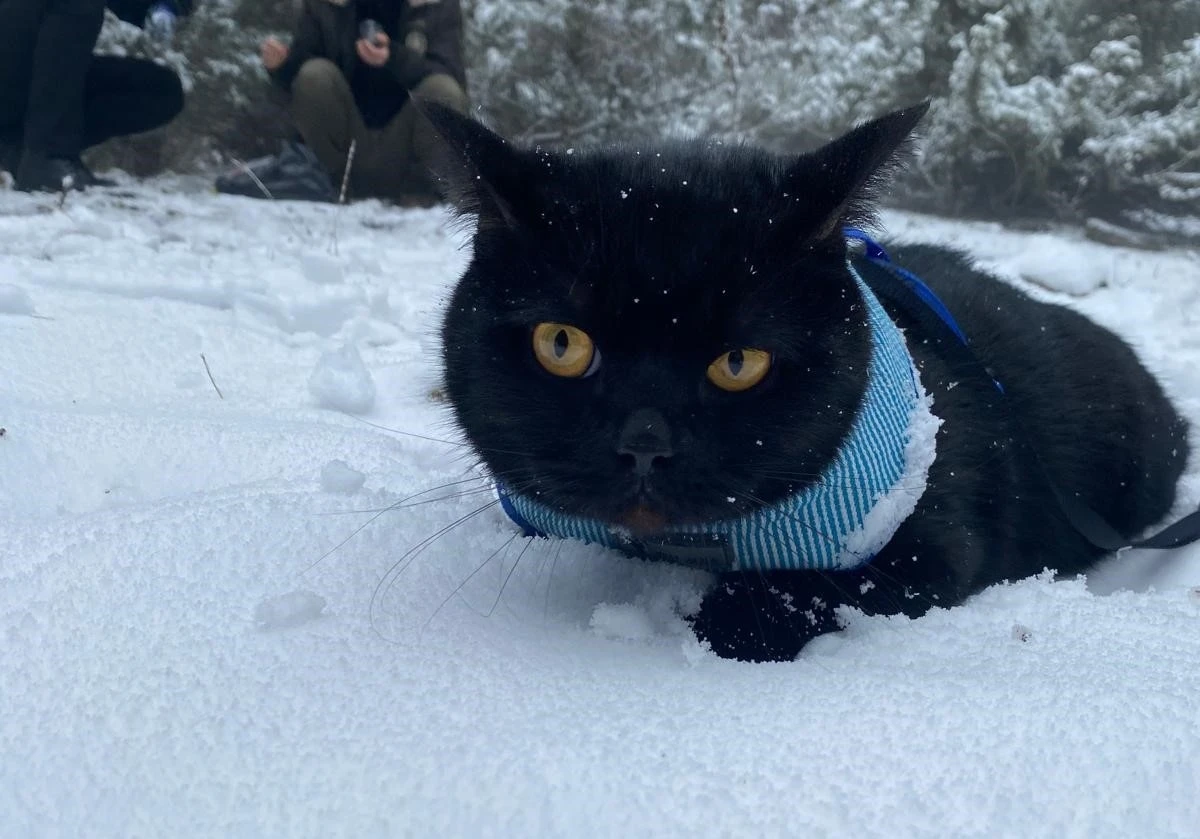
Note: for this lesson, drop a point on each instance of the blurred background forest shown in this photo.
(1064, 110)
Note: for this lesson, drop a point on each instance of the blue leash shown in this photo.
(931, 303)
(879, 256)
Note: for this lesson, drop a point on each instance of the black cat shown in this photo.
(675, 351)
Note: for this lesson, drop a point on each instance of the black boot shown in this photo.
(39, 173)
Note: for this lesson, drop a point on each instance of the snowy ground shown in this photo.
(206, 630)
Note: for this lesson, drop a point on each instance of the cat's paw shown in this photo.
(750, 617)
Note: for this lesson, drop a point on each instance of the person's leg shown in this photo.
(62, 55)
(127, 96)
(324, 112)
(398, 167)
(19, 23)
(52, 125)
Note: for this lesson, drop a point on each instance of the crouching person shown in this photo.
(350, 68)
(57, 99)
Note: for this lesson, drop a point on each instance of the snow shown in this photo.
(423, 671)
(341, 382)
(14, 300)
(337, 476)
(624, 620)
(291, 609)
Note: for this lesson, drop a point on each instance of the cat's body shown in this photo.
(661, 338)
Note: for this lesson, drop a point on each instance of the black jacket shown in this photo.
(428, 40)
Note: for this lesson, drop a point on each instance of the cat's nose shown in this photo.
(645, 438)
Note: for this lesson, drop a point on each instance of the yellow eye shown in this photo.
(739, 369)
(564, 350)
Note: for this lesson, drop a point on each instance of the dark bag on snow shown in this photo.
(294, 174)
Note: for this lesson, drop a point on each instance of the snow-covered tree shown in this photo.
(1080, 107)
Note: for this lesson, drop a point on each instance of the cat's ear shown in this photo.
(481, 174)
(837, 184)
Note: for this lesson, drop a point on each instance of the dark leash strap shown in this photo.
(910, 294)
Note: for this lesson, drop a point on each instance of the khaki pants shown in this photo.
(389, 162)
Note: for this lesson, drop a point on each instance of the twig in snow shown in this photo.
(346, 174)
(337, 218)
(210, 376)
(241, 164)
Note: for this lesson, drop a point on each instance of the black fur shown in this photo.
(668, 257)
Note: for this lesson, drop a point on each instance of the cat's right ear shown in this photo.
(839, 183)
(480, 173)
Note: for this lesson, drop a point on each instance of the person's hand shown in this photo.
(274, 53)
(374, 55)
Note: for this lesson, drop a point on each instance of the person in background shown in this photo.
(350, 68)
(57, 99)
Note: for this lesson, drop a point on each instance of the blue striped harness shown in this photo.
(840, 522)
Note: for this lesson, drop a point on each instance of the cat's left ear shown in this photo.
(481, 173)
(837, 184)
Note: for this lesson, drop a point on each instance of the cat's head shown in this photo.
(663, 335)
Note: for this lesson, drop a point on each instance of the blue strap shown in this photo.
(513, 513)
(879, 256)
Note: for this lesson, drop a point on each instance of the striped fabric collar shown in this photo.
(840, 522)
